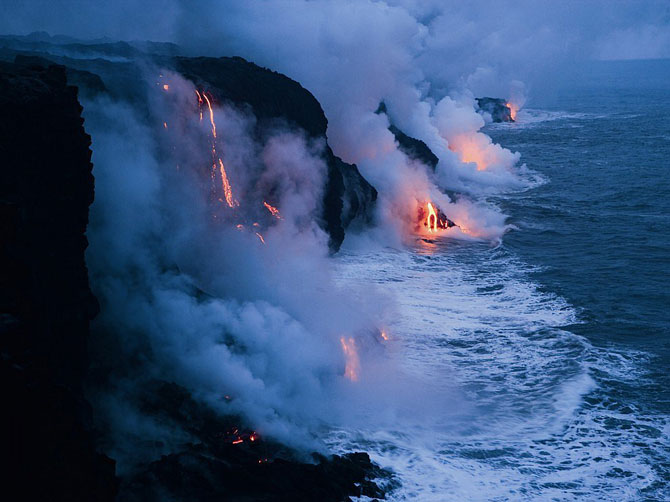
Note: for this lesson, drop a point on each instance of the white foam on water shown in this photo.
(533, 420)
(531, 117)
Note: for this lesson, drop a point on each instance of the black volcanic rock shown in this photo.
(213, 467)
(497, 108)
(412, 147)
(46, 187)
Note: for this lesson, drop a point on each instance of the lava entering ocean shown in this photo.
(513, 110)
(432, 220)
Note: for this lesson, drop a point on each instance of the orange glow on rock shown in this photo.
(273, 210)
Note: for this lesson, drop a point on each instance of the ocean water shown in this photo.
(552, 349)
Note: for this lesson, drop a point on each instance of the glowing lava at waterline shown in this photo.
(432, 220)
(513, 109)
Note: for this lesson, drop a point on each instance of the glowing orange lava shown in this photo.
(273, 210)
(385, 337)
(166, 87)
(227, 191)
(513, 109)
(211, 114)
(432, 219)
(260, 237)
(353, 365)
(217, 163)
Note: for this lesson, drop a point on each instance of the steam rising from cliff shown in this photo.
(190, 298)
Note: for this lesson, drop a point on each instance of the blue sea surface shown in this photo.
(548, 355)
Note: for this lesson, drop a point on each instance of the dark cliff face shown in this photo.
(497, 108)
(46, 187)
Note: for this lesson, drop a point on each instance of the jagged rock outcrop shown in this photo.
(46, 187)
(412, 147)
(497, 108)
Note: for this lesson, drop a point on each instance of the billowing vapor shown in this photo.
(191, 294)
(201, 283)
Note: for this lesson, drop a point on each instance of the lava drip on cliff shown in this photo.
(218, 169)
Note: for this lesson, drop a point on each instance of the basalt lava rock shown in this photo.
(46, 187)
(497, 108)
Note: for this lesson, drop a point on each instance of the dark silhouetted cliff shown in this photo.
(46, 187)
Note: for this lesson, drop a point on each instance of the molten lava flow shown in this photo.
(227, 191)
(384, 336)
(217, 163)
(211, 114)
(513, 109)
(166, 87)
(273, 210)
(431, 220)
(199, 103)
(260, 237)
(353, 365)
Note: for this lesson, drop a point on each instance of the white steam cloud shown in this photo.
(191, 298)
